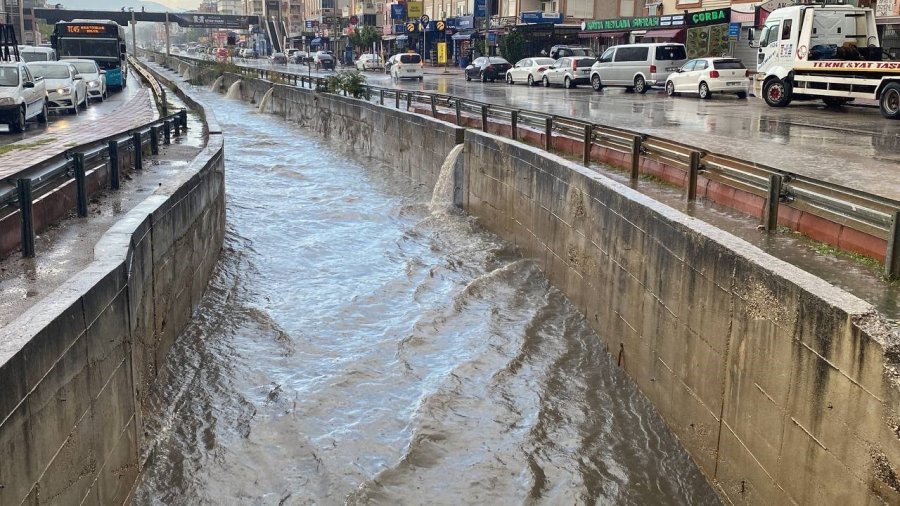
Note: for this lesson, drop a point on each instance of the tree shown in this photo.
(512, 46)
(364, 37)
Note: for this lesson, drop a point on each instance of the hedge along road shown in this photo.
(850, 146)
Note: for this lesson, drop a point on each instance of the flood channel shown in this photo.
(362, 343)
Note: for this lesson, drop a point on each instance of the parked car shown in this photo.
(279, 58)
(562, 50)
(22, 96)
(94, 77)
(487, 68)
(407, 66)
(66, 90)
(324, 60)
(248, 53)
(637, 67)
(368, 61)
(569, 71)
(300, 57)
(705, 76)
(528, 70)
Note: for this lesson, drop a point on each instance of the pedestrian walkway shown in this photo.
(140, 109)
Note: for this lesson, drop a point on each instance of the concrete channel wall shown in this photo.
(783, 388)
(74, 369)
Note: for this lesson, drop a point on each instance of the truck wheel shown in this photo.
(18, 124)
(42, 117)
(595, 82)
(777, 93)
(890, 101)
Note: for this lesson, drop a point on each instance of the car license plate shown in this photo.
(732, 84)
(671, 69)
(411, 70)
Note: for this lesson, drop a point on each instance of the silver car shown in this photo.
(66, 89)
(94, 78)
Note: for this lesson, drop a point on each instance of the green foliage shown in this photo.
(364, 37)
(512, 47)
(350, 82)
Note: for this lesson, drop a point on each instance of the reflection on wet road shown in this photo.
(362, 345)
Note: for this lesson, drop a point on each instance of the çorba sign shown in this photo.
(711, 17)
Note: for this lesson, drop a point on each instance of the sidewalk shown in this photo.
(25, 153)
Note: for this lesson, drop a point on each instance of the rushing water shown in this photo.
(361, 345)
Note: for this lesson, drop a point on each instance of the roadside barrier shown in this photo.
(776, 196)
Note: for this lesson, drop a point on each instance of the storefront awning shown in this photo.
(744, 18)
(669, 33)
(462, 36)
(888, 20)
(604, 35)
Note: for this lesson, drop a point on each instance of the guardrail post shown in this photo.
(80, 185)
(397, 100)
(892, 255)
(636, 156)
(408, 101)
(25, 210)
(165, 103)
(182, 116)
(548, 133)
(775, 183)
(154, 140)
(458, 110)
(588, 143)
(113, 152)
(484, 118)
(138, 150)
(693, 173)
(381, 97)
(167, 132)
(514, 124)
(433, 107)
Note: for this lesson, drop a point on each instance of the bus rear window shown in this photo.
(670, 53)
(410, 58)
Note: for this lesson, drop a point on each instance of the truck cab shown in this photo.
(827, 52)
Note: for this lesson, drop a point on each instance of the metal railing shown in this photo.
(159, 92)
(862, 211)
(78, 163)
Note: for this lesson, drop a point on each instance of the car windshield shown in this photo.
(410, 58)
(85, 67)
(50, 71)
(33, 56)
(670, 53)
(728, 64)
(584, 62)
(9, 76)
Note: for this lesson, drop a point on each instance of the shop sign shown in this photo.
(480, 8)
(641, 23)
(465, 23)
(398, 11)
(713, 17)
(887, 8)
(414, 10)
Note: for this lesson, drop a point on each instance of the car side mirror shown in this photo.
(28, 84)
(679, 71)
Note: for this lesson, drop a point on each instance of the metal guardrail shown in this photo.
(78, 163)
(862, 211)
(158, 91)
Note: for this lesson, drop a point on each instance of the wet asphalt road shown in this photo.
(61, 122)
(851, 146)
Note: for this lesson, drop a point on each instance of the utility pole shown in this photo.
(133, 34)
(167, 36)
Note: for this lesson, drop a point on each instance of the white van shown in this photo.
(36, 53)
(637, 67)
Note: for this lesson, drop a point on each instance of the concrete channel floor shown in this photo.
(67, 247)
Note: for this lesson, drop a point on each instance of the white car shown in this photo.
(22, 96)
(94, 78)
(569, 71)
(528, 70)
(368, 61)
(705, 76)
(407, 66)
(66, 89)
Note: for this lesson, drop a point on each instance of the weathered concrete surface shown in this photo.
(74, 368)
(782, 387)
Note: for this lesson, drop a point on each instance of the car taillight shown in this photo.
(541, 69)
(574, 67)
(713, 73)
(652, 69)
(748, 73)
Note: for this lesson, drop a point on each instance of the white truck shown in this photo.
(827, 52)
(22, 96)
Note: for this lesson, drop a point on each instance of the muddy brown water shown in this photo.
(358, 345)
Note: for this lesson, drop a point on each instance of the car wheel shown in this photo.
(44, 115)
(704, 91)
(74, 110)
(777, 93)
(546, 82)
(670, 88)
(509, 79)
(595, 82)
(569, 83)
(530, 80)
(18, 125)
(889, 103)
(742, 95)
(468, 77)
(640, 86)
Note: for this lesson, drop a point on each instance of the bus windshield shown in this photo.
(95, 48)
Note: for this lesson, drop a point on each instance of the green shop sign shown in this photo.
(713, 17)
(641, 23)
